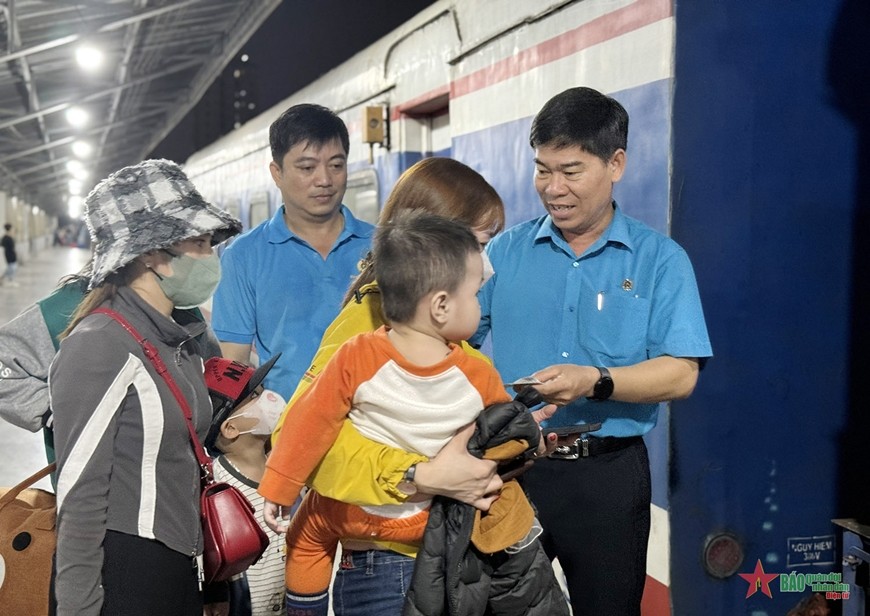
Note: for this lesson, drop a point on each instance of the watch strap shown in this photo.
(603, 387)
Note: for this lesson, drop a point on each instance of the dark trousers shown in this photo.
(142, 577)
(596, 517)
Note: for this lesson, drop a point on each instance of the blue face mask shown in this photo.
(193, 280)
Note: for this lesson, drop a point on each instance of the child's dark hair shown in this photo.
(416, 253)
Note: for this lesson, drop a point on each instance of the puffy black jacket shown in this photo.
(452, 577)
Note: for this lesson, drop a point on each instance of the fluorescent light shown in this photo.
(74, 205)
(77, 170)
(75, 187)
(77, 116)
(82, 149)
(89, 57)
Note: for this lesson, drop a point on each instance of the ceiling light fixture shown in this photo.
(82, 149)
(89, 57)
(77, 116)
(74, 205)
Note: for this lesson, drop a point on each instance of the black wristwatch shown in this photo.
(407, 485)
(604, 387)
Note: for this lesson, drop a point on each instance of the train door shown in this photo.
(422, 128)
(427, 126)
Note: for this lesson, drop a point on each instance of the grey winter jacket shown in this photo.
(26, 351)
(125, 461)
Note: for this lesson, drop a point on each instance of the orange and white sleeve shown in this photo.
(312, 424)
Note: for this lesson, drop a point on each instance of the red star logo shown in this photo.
(759, 580)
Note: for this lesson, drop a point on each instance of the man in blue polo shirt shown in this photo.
(621, 330)
(284, 280)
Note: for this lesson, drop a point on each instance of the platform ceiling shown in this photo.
(160, 57)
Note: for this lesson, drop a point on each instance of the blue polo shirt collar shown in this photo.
(278, 233)
(617, 231)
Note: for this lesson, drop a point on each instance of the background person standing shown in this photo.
(8, 243)
(284, 280)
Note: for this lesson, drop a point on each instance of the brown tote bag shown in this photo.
(27, 541)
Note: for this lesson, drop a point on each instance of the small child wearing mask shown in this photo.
(244, 416)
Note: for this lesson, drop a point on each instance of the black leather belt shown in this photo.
(574, 446)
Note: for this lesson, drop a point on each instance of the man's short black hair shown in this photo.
(582, 117)
(310, 123)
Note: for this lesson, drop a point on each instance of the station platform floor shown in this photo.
(21, 452)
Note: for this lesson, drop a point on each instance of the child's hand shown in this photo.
(276, 517)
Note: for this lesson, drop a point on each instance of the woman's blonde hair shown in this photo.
(444, 187)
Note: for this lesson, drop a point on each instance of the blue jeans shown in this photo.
(371, 583)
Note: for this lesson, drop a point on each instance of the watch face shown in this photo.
(408, 488)
(604, 388)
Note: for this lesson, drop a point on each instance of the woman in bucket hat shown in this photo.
(128, 481)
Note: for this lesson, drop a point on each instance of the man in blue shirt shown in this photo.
(621, 330)
(284, 280)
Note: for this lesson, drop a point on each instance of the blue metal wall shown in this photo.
(763, 197)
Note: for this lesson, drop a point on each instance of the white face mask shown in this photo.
(488, 270)
(266, 409)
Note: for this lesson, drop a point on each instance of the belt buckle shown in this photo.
(578, 449)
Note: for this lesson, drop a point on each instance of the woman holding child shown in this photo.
(372, 577)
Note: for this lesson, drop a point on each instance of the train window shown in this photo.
(259, 210)
(231, 205)
(362, 195)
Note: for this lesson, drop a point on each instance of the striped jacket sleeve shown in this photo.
(88, 382)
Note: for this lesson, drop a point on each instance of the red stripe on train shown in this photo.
(629, 18)
(656, 598)
(609, 26)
